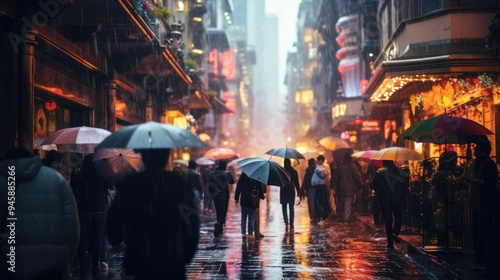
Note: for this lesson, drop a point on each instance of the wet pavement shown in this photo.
(332, 250)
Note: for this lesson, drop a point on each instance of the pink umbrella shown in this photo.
(364, 154)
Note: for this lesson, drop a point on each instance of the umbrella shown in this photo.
(364, 154)
(220, 153)
(264, 170)
(446, 130)
(181, 162)
(333, 143)
(396, 154)
(285, 152)
(151, 135)
(114, 164)
(204, 161)
(82, 139)
(37, 144)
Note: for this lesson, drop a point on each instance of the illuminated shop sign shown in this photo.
(223, 63)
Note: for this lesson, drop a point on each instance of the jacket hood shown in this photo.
(25, 168)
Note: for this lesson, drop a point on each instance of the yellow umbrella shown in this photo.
(397, 154)
(333, 143)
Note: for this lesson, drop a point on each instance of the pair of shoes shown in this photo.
(104, 266)
(259, 235)
(244, 235)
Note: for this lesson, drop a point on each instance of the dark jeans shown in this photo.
(91, 233)
(247, 212)
(285, 214)
(221, 204)
(387, 212)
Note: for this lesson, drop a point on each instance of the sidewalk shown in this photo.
(444, 265)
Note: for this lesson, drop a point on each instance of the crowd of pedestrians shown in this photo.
(155, 213)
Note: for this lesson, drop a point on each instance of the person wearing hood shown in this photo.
(43, 220)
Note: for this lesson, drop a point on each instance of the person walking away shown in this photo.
(321, 182)
(46, 224)
(90, 192)
(194, 180)
(308, 190)
(219, 190)
(155, 215)
(287, 195)
(347, 180)
(206, 174)
(390, 184)
(249, 193)
(485, 182)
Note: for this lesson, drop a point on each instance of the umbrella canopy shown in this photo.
(220, 153)
(264, 170)
(333, 143)
(445, 130)
(181, 162)
(364, 154)
(151, 135)
(204, 161)
(397, 154)
(285, 152)
(113, 165)
(82, 139)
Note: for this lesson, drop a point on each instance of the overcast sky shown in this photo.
(286, 11)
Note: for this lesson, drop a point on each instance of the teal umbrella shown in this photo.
(151, 135)
(265, 171)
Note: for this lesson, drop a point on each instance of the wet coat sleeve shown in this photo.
(70, 217)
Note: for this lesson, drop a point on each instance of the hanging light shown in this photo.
(180, 5)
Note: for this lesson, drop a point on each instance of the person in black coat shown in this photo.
(154, 213)
(390, 183)
(287, 194)
(90, 193)
(248, 193)
(219, 190)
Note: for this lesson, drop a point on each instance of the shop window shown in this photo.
(52, 115)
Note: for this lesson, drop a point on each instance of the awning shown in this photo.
(396, 75)
(217, 39)
(196, 101)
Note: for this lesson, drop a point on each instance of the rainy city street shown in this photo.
(329, 251)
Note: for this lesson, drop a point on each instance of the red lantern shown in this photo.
(50, 106)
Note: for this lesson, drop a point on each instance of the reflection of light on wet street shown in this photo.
(328, 251)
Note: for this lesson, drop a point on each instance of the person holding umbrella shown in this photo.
(287, 195)
(248, 192)
(390, 185)
(219, 190)
(145, 214)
